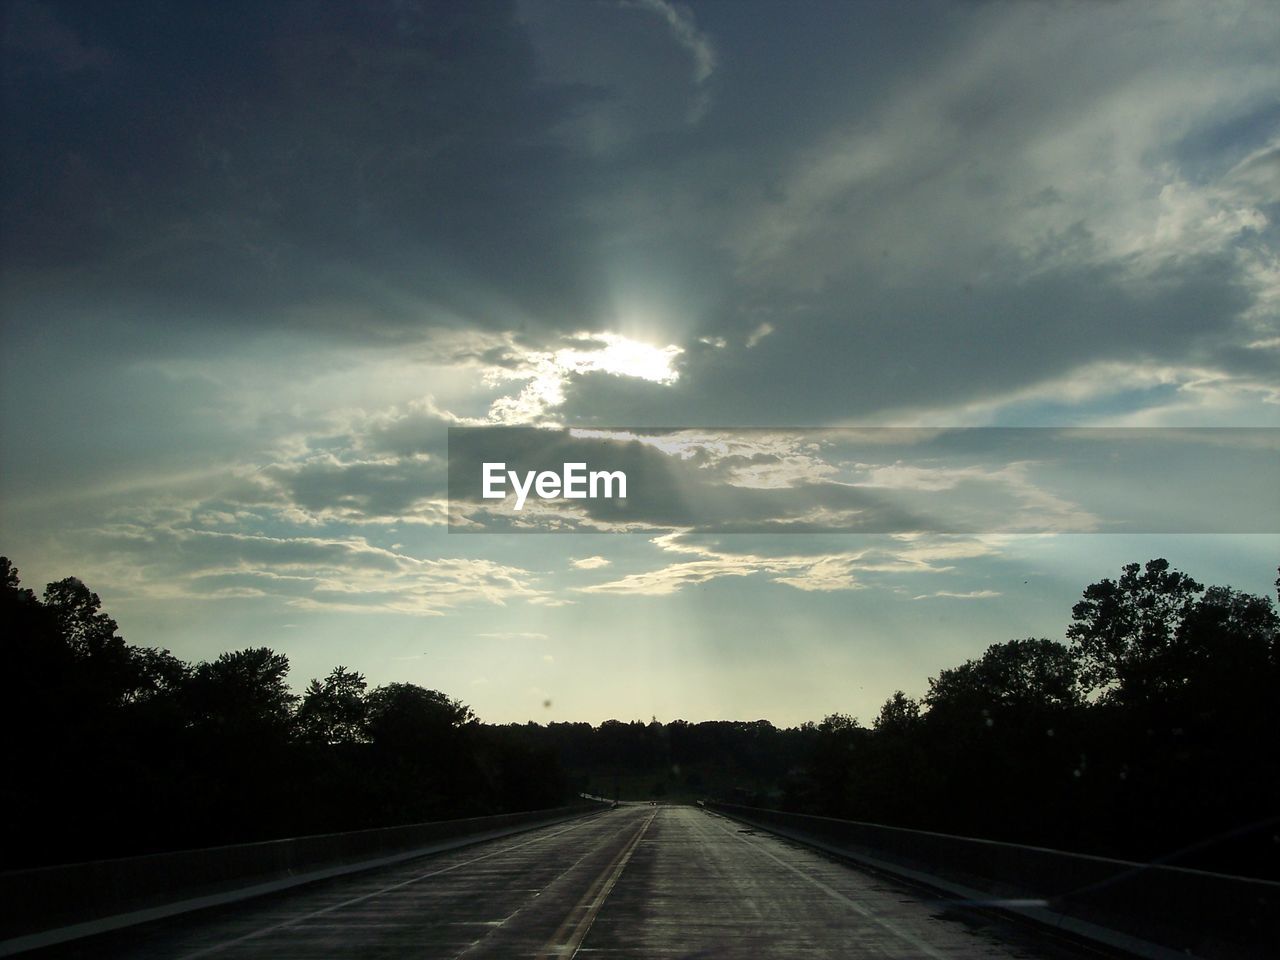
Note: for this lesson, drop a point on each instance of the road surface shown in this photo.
(638, 881)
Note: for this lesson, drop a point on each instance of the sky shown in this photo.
(257, 259)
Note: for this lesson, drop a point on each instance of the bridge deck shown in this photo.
(631, 882)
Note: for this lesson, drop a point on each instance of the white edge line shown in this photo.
(925, 948)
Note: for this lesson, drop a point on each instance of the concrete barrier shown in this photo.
(1150, 910)
(53, 904)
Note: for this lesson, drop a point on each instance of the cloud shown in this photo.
(324, 488)
(548, 600)
(1139, 394)
(643, 67)
(547, 373)
(969, 595)
(306, 193)
(685, 30)
(300, 529)
(174, 560)
(1009, 199)
(948, 241)
(810, 572)
(513, 635)
(758, 334)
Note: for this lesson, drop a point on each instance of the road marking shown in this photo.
(217, 947)
(568, 938)
(483, 942)
(835, 894)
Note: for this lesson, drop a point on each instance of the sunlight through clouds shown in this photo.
(546, 373)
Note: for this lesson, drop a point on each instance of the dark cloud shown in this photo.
(387, 490)
(887, 190)
(861, 344)
(319, 164)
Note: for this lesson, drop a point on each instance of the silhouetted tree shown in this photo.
(78, 612)
(244, 692)
(898, 715)
(836, 753)
(424, 756)
(334, 710)
(37, 657)
(1002, 739)
(1019, 674)
(107, 672)
(1229, 642)
(405, 716)
(12, 586)
(158, 675)
(1124, 633)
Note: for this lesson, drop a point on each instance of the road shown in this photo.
(638, 881)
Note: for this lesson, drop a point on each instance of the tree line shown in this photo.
(1152, 733)
(113, 749)
(1153, 726)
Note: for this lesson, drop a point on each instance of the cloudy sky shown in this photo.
(258, 258)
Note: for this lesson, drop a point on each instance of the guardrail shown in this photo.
(1150, 910)
(52, 904)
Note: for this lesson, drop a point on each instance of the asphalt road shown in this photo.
(632, 882)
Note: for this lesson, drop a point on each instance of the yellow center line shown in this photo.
(569, 936)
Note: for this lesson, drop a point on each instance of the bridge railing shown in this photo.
(1150, 910)
(79, 899)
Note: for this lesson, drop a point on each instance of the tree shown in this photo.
(105, 668)
(1030, 674)
(1229, 646)
(405, 716)
(158, 673)
(1124, 633)
(840, 725)
(899, 714)
(245, 692)
(37, 658)
(12, 586)
(334, 710)
(78, 611)
(836, 752)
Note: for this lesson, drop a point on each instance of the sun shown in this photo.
(621, 356)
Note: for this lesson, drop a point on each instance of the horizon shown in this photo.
(546, 715)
